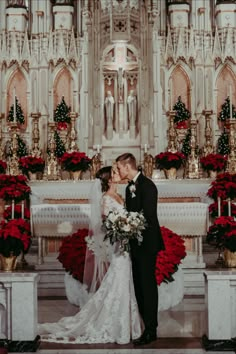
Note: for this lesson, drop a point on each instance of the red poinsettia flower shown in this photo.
(72, 253)
(224, 187)
(75, 161)
(17, 212)
(167, 160)
(31, 164)
(15, 237)
(14, 187)
(213, 162)
(62, 125)
(213, 209)
(222, 234)
(168, 260)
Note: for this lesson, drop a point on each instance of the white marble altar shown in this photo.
(18, 306)
(220, 295)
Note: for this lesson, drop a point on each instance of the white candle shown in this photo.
(229, 207)
(22, 209)
(145, 148)
(230, 102)
(14, 104)
(219, 209)
(12, 208)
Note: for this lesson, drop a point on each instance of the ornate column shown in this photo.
(35, 135)
(51, 171)
(73, 134)
(172, 135)
(13, 163)
(208, 147)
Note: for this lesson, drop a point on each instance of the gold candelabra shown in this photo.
(172, 135)
(51, 171)
(13, 163)
(73, 134)
(148, 164)
(208, 147)
(192, 170)
(35, 139)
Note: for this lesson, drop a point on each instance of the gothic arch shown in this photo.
(17, 83)
(63, 86)
(180, 85)
(225, 78)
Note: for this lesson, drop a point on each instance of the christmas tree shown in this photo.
(181, 112)
(186, 147)
(22, 149)
(225, 111)
(223, 144)
(19, 113)
(62, 112)
(60, 146)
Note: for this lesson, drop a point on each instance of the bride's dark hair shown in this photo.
(104, 174)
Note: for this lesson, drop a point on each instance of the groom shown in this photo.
(141, 195)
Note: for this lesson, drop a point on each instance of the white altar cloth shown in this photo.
(80, 189)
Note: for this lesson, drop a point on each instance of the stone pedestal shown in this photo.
(220, 290)
(18, 306)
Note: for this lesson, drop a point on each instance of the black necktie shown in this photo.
(130, 183)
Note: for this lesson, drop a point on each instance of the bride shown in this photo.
(111, 313)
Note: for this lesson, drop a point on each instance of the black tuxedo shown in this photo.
(143, 256)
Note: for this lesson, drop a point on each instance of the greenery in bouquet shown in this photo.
(182, 114)
(122, 226)
(224, 187)
(62, 112)
(3, 166)
(168, 260)
(223, 144)
(60, 146)
(19, 113)
(75, 161)
(168, 160)
(222, 234)
(213, 162)
(15, 237)
(224, 114)
(7, 215)
(72, 253)
(14, 187)
(31, 164)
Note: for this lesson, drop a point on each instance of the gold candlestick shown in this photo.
(13, 163)
(172, 135)
(208, 147)
(36, 150)
(73, 133)
(51, 171)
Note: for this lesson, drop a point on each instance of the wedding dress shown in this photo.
(111, 314)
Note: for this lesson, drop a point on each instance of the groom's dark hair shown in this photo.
(129, 158)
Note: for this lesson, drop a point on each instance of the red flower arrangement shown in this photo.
(224, 187)
(15, 237)
(182, 125)
(61, 125)
(14, 187)
(17, 213)
(222, 234)
(213, 209)
(72, 253)
(31, 164)
(3, 166)
(213, 162)
(75, 161)
(168, 260)
(168, 160)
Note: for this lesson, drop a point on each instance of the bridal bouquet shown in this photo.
(122, 226)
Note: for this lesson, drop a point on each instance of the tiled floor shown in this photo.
(180, 330)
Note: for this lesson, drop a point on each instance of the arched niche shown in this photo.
(18, 85)
(63, 86)
(224, 81)
(179, 85)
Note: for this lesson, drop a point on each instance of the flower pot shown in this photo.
(230, 258)
(75, 175)
(212, 174)
(171, 173)
(32, 176)
(8, 264)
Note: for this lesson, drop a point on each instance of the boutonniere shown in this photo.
(132, 189)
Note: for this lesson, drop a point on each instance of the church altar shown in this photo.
(60, 208)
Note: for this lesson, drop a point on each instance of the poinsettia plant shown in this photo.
(167, 160)
(169, 259)
(14, 187)
(213, 162)
(72, 253)
(3, 166)
(31, 164)
(75, 161)
(224, 209)
(224, 187)
(15, 237)
(222, 234)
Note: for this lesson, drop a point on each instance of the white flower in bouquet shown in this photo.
(122, 226)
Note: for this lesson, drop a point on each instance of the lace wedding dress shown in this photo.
(111, 314)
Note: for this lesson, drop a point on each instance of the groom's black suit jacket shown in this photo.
(145, 200)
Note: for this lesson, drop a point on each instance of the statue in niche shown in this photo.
(132, 107)
(109, 106)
